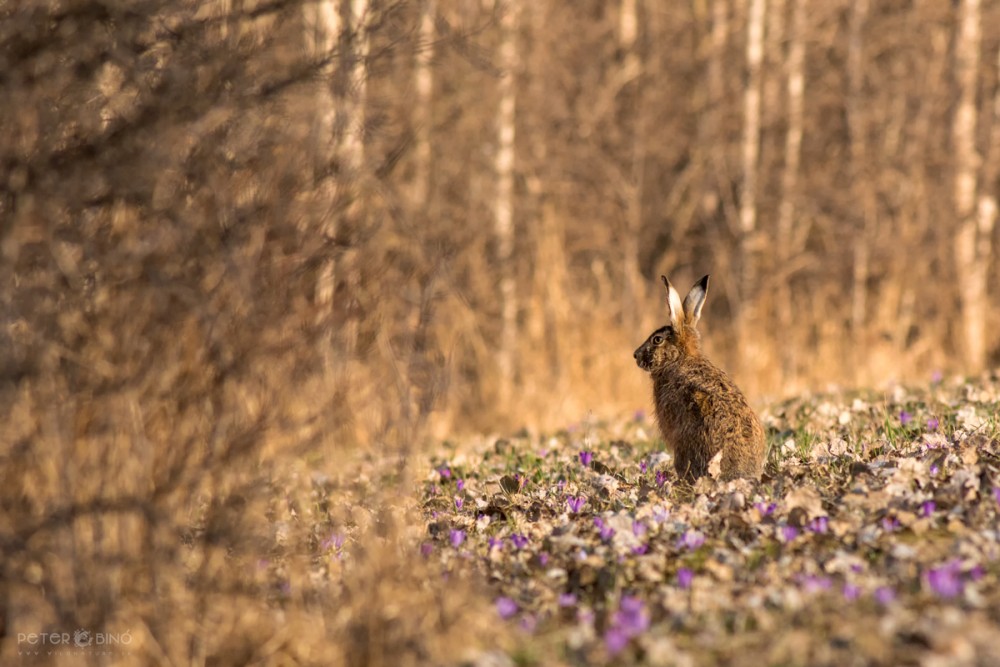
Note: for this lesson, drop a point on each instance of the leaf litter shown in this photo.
(873, 538)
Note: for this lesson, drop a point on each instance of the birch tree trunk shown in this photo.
(355, 55)
(716, 63)
(323, 33)
(423, 80)
(749, 243)
(717, 190)
(351, 152)
(987, 207)
(504, 203)
(864, 195)
(795, 91)
(971, 264)
(628, 27)
(751, 118)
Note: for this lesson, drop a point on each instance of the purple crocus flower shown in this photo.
(660, 515)
(575, 503)
(445, 472)
(691, 540)
(819, 525)
(884, 595)
(927, 508)
(977, 572)
(935, 469)
(426, 549)
(815, 584)
(457, 537)
(638, 528)
(640, 550)
(606, 532)
(789, 533)
(933, 423)
(945, 581)
(528, 623)
(519, 541)
(765, 510)
(586, 457)
(543, 559)
(851, 592)
(905, 417)
(615, 640)
(643, 467)
(567, 600)
(334, 541)
(631, 620)
(459, 502)
(890, 524)
(459, 484)
(661, 478)
(685, 576)
(631, 616)
(494, 543)
(506, 607)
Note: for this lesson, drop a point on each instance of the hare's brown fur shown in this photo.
(699, 409)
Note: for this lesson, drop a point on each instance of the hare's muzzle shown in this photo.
(640, 359)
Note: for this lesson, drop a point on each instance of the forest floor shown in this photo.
(873, 538)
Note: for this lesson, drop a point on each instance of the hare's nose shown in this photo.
(635, 355)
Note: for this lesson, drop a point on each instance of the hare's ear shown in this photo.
(674, 304)
(694, 301)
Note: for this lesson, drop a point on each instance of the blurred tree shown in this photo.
(506, 262)
(750, 239)
(972, 264)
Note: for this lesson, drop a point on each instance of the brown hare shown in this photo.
(699, 409)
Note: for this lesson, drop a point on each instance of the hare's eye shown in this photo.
(657, 340)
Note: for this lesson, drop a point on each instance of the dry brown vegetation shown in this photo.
(255, 255)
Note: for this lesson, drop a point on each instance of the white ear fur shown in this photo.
(695, 300)
(674, 305)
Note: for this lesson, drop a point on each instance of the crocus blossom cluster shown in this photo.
(631, 620)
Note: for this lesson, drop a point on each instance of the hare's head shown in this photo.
(669, 344)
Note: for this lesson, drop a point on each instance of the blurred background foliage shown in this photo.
(249, 247)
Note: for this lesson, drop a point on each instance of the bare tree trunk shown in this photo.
(340, 136)
(864, 195)
(717, 184)
(504, 204)
(352, 147)
(986, 210)
(628, 26)
(716, 64)
(323, 28)
(749, 242)
(972, 266)
(751, 117)
(774, 58)
(352, 151)
(424, 84)
(790, 178)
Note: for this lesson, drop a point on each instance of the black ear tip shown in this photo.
(666, 283)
